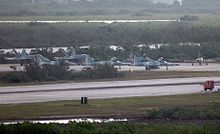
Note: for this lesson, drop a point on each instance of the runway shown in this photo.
(96, 90)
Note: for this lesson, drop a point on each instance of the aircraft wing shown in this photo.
(165, 63)
(8, 58)
(119, 63)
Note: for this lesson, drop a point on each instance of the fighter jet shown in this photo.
(200, 60)
(147, 62)
(41, 60)
(73, 58)
(165, 63)
(113, 61)
(89, 61)
(22, 58)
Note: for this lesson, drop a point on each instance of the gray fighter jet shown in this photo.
(22, 58)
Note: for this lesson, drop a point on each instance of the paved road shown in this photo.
(95, 90)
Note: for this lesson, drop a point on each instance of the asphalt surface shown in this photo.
(96, 90)
(182, 67)
(7, 68)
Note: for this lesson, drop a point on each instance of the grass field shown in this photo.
(123, 106)
(136, 75)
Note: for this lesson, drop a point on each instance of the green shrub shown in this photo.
(35, 72)
(105, 71)
(98, 72)
(87, 73)
(179, 113)
(48, 72)
(189, 18)
(16, 77)
(110, 128)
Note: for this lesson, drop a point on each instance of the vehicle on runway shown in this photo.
(22, 58)
(208, 85)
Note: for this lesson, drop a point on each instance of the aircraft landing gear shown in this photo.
(147, 68)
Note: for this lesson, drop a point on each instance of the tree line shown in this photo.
(123, 34)
(102, 7)
(177, 39)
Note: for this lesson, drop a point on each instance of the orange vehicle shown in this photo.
(208, 85)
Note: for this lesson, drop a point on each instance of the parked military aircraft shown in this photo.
(165, 63)
(73, 58)
(40, 60)
(147, 62)
(113, 61)
(200, 61)
(22, 58)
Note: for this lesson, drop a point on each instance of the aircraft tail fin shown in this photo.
(135, 60)
(64, 52)
(131, 56)
(160, 59)
(24, 53)
(87, 61)
(39, 59)
(113, 59)
(15, 52)
(148, 59)
(73, 53)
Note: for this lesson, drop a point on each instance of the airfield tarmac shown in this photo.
(7, 68)
(111, 89)
(97, 90)
(181, 67)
